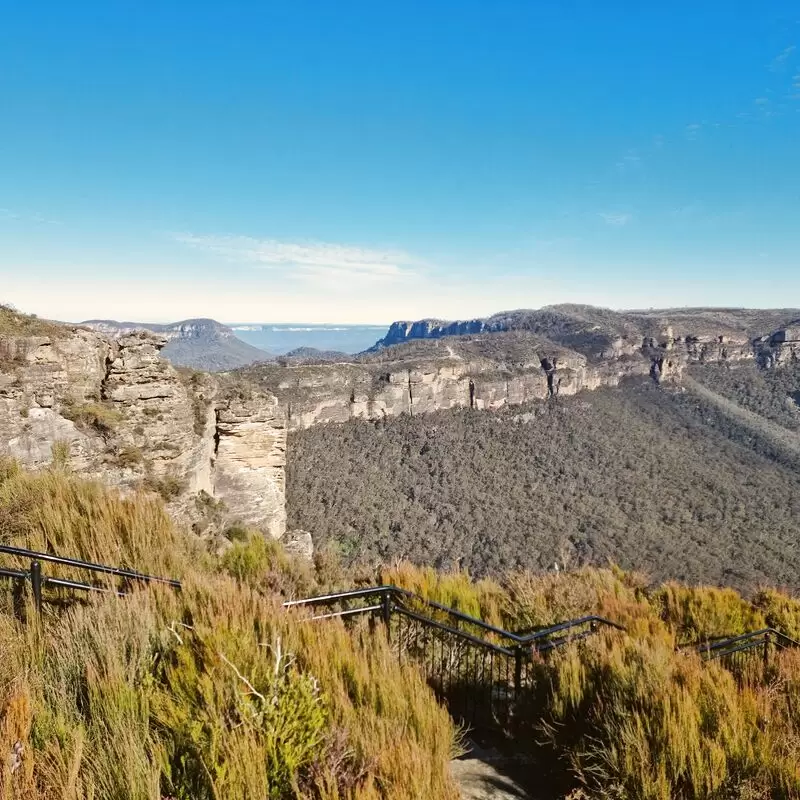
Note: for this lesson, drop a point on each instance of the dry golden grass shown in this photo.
(638, 720)
(217, 692)
(631, 715)
(14, 323)
(211, 692)
(51, 510)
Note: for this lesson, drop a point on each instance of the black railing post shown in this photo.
(517, 671)
(387, 613)
(36, 585)
(766, 652)
(19, 599)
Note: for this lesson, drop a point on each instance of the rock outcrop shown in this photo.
(299, 544)
(249, 459)
(121, 413)
(400, 332)
(514, 358)
(782, 347)
(453, 376)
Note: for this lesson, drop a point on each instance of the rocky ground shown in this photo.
(486, 775)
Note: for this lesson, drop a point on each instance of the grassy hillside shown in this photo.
(654, 480)
(627, 715)
(213, 692)
(13, 323)
(217, 692)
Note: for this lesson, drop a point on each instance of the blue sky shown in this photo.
(370, 161)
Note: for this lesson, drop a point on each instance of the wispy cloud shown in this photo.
(616, 218)
(779, 62)
(16, 216)
(308, 259)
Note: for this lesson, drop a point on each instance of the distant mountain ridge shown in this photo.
(592, 330)
(313, 355)
(515, 357)
(197, 343)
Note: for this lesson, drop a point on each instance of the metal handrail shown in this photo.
(14, 574)
(455, 631)
(573, 623)
(523, 639)
(90, 566)
(397, 591)
(476, 668)
(39, 581)
(743, 641)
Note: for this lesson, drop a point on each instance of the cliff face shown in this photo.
(488, 370)
(400, 332)
(249, 459)
(594, 331)
(782, 348)
(319, 394)
(122, 414)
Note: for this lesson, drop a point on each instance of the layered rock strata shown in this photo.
(491, 370)
(119, 412)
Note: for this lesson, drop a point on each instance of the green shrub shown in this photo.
(168, 487)
(697, 613)
(130, 456)
(239, 716)
(263, 564)
(101, 417)
(61, 451)
(236, 532)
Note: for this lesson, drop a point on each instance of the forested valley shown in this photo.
(652, 478)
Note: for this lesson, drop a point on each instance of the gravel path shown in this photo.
(481, 780)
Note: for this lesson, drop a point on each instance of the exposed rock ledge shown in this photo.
(126, 416)
(488, 370)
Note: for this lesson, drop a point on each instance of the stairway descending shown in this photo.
(480, 671)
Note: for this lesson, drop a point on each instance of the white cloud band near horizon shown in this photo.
(309, 259)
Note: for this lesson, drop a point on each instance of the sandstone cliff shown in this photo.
(404, 331)
(518, 357)
(779, 349)
(593, 330)
(121, 413)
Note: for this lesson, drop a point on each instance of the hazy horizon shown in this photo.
(301, 324)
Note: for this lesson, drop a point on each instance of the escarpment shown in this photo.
(516, 358)
(114, 410)
(781, 348)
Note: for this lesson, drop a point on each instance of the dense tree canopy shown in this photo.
(652, 478)
(774, 393)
